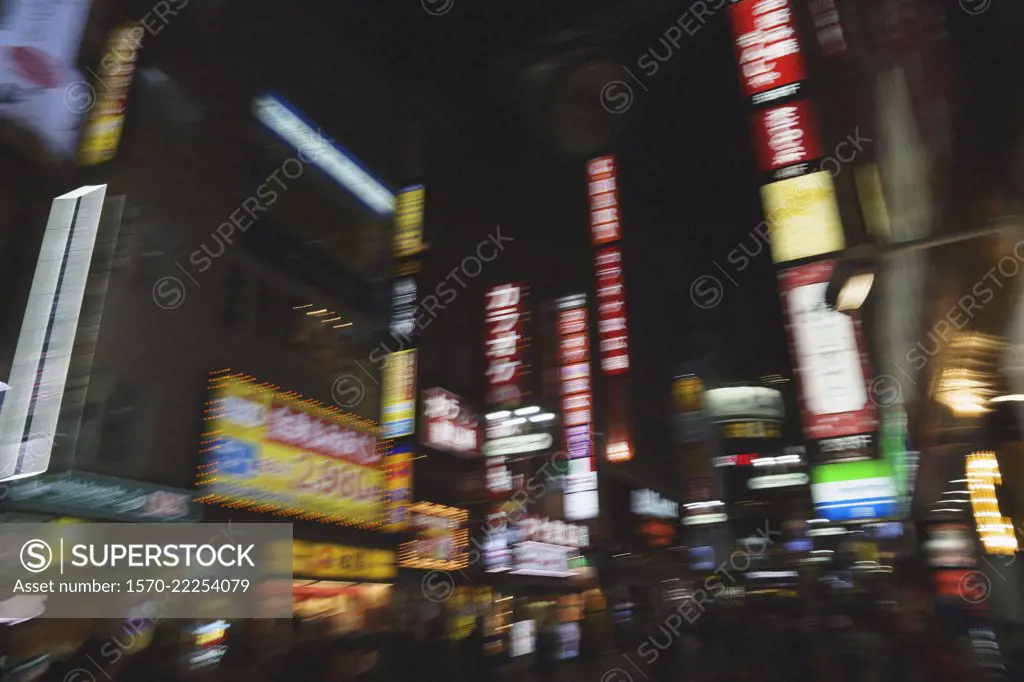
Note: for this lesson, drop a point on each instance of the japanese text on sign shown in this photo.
(503, 343)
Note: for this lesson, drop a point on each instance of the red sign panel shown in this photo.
(451, 425)
(305, 431)
(604, 200)
(832, 368)
(657, 533)
(611, 311)
(503, 339)
(767, 47)
(786, 135)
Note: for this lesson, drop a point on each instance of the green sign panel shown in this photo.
(91, 496)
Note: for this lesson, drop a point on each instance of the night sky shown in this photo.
(501, 153)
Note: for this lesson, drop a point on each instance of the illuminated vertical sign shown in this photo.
(581, 497)
(398, 480)
(799, 198)
(767, 48)
(832, 367)
(503, 344)
(398, 386)
(611, 311)
(606, 230)
(995, 530)
(101, 134)
(785, 135)
(613, 336)
(574, 375)
(409, 221)
(604, 201)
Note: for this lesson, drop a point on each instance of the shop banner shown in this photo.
(92, 496)
(270, 450)
(803, 217)
(398, 385)
(316, 560)
(832, 367)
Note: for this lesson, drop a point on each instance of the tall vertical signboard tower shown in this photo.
(803, 222)
(613, 354)
(398, 374)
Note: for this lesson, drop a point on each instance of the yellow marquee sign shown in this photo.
(270, 450)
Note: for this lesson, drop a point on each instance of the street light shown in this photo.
(855, 273)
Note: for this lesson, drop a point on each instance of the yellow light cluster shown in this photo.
(460, 515)
(996, 531)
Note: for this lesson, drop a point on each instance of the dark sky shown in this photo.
(687, 181)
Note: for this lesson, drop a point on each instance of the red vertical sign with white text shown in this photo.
(503, 345)
(612, 327)
(767, 47)
(606, 231)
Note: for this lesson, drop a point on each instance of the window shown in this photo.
(120, 441)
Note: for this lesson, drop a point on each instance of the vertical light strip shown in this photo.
(28, 417)
(996, 531)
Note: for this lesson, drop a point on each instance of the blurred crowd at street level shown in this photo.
(858, 641)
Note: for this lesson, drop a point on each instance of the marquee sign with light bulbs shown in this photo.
(272, 450)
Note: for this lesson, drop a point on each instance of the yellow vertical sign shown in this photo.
(101, 134)
(409, 221)
(398, 385)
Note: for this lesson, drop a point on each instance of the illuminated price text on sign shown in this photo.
(503, 339)
(767, 48)
(270, 451)
(604, 200)
(611, 311)
(574, 375)
(786, 135)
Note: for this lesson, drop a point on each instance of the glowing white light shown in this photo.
(325, 155)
